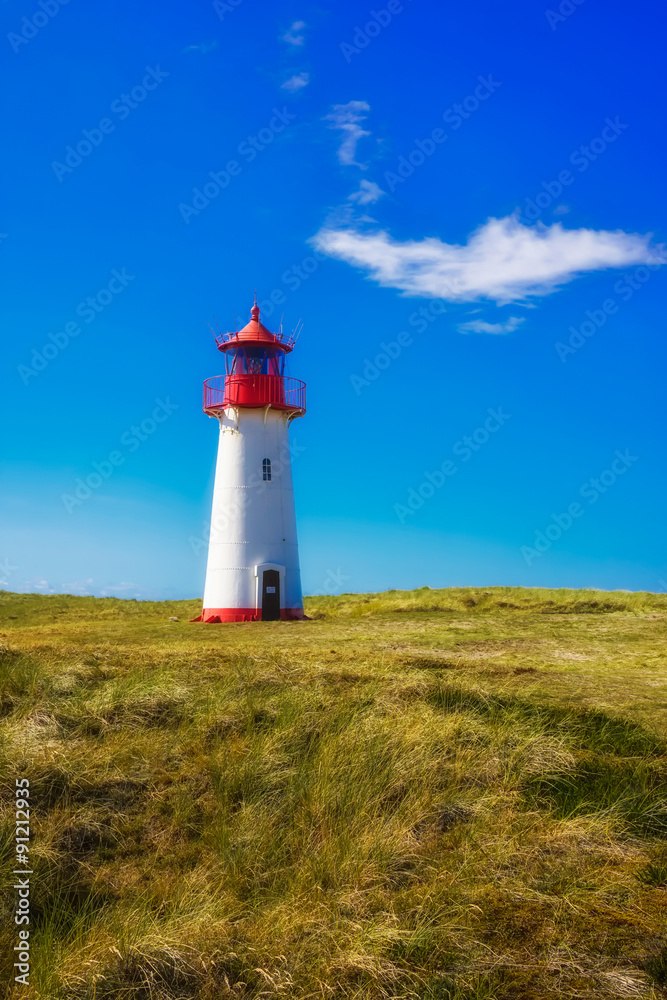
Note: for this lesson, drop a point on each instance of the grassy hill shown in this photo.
(436, 795)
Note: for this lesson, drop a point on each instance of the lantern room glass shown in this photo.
(254, 360)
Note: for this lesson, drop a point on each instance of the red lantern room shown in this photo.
(254, 371)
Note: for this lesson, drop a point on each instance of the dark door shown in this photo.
(271, 595)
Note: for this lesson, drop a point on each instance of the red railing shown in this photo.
(233, 338)
(254, 390)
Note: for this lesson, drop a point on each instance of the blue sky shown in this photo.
(463, 203)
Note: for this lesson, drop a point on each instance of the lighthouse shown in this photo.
(253, 557)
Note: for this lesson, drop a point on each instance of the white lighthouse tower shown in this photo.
(253, 556)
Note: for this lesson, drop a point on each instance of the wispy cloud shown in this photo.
(38, 583)
(347, 118)
(79, 587)
(502, 260)
(296, 82)
(203, 47)
(369, 192)
(480, 326)
(294, 36)
(121, 589)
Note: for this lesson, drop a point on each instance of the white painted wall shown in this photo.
(252, 521)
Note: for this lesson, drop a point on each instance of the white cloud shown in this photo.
(561, 210)
(203, 47)
(296, 82)
(480, 326)
(293, 35)
(83, 588)
(111, 590)
(123, 591)
(502, 260)
(369, 192)
(38, 583)
(347, 118)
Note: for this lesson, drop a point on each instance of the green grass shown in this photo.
(456, 794)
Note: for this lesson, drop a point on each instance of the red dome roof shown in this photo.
(254, 332)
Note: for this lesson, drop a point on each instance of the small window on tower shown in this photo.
(266, 470)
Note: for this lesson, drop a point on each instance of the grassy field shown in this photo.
(435, 795)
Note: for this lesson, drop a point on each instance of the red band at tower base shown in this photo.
(216, 616)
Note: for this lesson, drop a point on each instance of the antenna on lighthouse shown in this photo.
(219, 337)
(296, 332)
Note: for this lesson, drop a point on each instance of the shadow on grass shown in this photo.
(621, 771)
(634, 790)
(592, 729)
(657, 968)
(173, 973)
